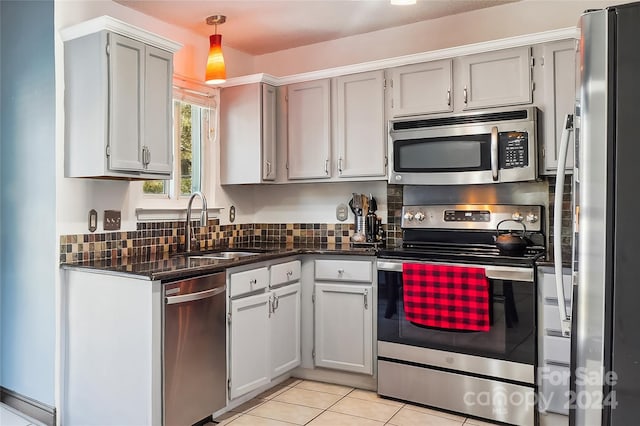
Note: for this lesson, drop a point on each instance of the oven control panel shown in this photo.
(472, 216)
(467, 215)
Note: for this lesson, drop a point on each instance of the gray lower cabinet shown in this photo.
(343, 315)
(249, 365)
(553, 349)
(264, 325)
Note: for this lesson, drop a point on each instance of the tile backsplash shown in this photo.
(152, 240)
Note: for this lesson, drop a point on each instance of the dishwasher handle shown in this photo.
(171, 300)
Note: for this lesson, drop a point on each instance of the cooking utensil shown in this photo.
(510, 243)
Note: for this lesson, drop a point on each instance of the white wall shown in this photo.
(509, 20)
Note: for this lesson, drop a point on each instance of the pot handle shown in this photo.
(524, 228)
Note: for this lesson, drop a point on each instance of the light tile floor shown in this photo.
(11, 417)
(303, 402)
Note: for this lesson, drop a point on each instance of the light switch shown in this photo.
(93, 220)
(111, 220)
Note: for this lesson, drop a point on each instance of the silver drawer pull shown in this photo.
(253, 282)
(289, 274)
(340, 272)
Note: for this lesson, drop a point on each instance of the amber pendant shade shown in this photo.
(216, 71)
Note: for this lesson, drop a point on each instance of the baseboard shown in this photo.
(32, 408)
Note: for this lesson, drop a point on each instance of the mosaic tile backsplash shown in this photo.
(156, 239)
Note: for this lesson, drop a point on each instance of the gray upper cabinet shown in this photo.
(558, 77)
(248, 134)
(359, 125)
(309, 130)
(118, 108)
(421, 88)
(492, 79)
(158, 101)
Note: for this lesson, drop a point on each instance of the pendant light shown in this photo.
(216, 71)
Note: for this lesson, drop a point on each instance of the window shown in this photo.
(189, 127)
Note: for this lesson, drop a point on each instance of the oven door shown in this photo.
(512, 306)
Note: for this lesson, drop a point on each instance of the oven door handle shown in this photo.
(507, 273)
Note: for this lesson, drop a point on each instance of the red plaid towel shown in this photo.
(450, 297)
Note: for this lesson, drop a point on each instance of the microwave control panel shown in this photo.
(514, 149)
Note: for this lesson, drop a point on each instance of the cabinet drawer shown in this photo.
(551, 319)
(248, 281)
(557, 349)
(549, 287)
(285, 272)
(554, 381)
(344, 270)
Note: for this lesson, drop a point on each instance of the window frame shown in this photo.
(168, 205)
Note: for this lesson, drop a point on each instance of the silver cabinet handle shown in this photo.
(449, 97)
(289, 273)
(144, 156)
(326, 167)
(276, 302)
(253, 282)
(366, 299)
(494, 153)
(268, 168)
(170, 300)
(464, 94)
(148, 156)
(340, 165)
(340, 272)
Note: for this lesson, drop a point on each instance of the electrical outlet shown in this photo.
(111, 220)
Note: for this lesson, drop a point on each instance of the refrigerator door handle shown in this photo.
(565, 319)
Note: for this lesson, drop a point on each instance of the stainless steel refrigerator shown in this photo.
(605, 316)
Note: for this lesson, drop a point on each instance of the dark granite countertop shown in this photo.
(172, 267)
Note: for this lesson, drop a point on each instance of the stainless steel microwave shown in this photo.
(471, 148)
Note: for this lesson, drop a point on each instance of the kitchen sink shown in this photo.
(225, 255)
(230, 254)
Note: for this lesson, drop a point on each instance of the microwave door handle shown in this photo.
(565, 320)
(494, 153)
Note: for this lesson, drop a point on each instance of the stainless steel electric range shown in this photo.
(456, 318)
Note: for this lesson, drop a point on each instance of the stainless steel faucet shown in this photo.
(203, 219)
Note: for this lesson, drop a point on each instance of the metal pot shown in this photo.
(511, 243)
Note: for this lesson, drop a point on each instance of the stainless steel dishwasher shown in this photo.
(194, 361)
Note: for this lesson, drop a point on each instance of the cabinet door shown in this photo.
(497, 78)
(360, 128)
(249, 344)
(269, 139)
(421, 88)
(240, 134)
(285, 329)
(559, 99)
(158, 104)
(309, 139)
(126, 94)
(344, 327)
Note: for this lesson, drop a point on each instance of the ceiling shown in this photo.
(263, 26)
